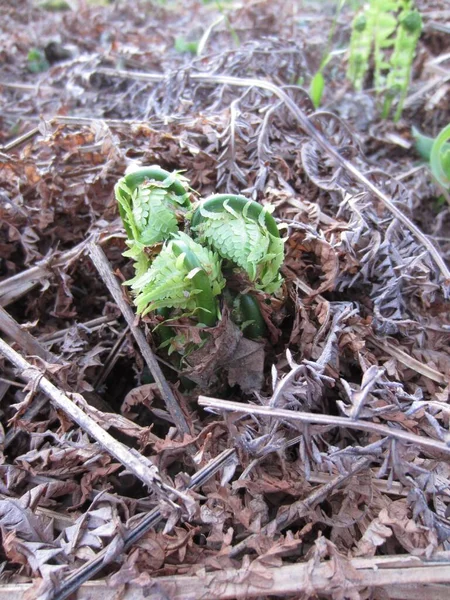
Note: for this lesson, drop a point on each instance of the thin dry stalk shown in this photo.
(27, 342)
(17, 286)
(257, 580)
(141, 468)
(409, 361)
(104, 269)
(318, 419)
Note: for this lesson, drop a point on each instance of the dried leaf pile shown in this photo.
(316, 464)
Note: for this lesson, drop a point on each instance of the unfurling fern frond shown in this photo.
(243, 232)
(183, 276)
(148, 199)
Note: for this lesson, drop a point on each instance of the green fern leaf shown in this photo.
(149, 199)
(183, 276)
(236, 228)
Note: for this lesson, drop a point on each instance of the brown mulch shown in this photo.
(316, 466)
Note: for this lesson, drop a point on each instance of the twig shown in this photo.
(29, 344)
(141, 468)
(15, 287)
(409, 361)
(91, 325)
(111, 359)
(33, 347)
(104, 269)
(105, 556)
(256, 581)
(178, 586)
(318, 419)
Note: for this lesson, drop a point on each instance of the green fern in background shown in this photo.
(389, 31)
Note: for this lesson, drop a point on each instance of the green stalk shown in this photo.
(207, 305)
(250, 313)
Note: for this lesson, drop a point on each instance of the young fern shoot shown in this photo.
(390, 29)
(184, 276)
(409, 29)
(244, 233)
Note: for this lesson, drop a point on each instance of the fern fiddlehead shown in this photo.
(184, 276)
(244, 233)
(148, 199)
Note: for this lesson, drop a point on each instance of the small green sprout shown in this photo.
(317, 85)
(245, 233)
(37, 63)
(184, 277)
(437, 152)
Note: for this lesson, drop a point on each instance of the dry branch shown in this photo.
(141, 468)
(257, 580)
(17, 286)
(318, 419)
(104, 269)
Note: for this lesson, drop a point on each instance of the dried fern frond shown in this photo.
(243, 232)
(183, 276)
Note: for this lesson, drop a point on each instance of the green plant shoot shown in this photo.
(243, 232)
(390, 30)
(440, 158)
(437, 152)
(397, 81)
(317, 85)
(184, 276)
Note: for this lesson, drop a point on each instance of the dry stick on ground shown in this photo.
(33, 347)
(318, 419)
(112, 358)
(104, 269)
(27, 342)
(393, 573)
(313, 133)
(408, 361)
(106, 556)
(92, 325)
(141, 467)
